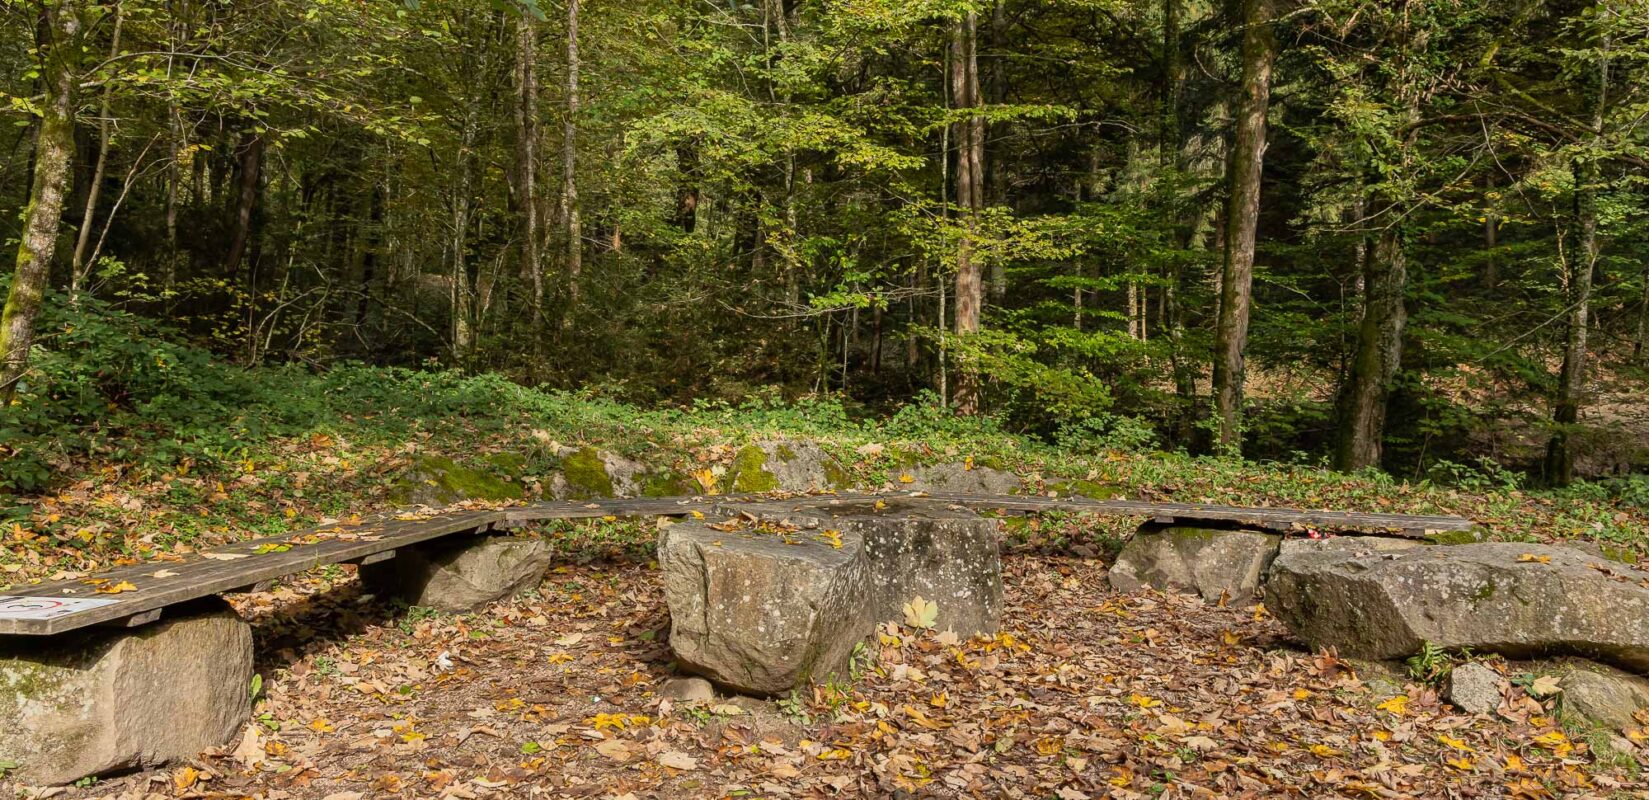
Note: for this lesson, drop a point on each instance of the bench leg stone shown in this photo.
(98, 702)
(762, 612)
(461, 574)
(915, 548)
(1201, 561)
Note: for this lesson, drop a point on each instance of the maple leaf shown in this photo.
(1463, 764)
(907, 478)
(1144, 701)
(920, 613)
(1531, 558)
(117, 588)
(1397, 706)
(185, 778)
(1324, 751)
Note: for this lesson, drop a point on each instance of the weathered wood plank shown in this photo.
(158, 584)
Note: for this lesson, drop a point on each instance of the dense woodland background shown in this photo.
(1406, 234)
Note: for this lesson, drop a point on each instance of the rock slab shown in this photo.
(1604, 696)
(761, 612)
(1515, 599)
(462, 574)
(1202, 561)
(915, 548)
(108, 701)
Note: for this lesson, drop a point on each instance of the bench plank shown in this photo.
(165, 582)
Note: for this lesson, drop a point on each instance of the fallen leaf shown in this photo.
(920, 613)
(677, 760)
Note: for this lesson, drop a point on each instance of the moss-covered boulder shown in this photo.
(1215, 564)
(90, 704)
(587, 473)
(791, 466)
(439, 481)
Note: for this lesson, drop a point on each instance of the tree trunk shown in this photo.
(569, 194)
(526, 165)
(77, 266)
(997, 184)
(970, 142)
(54, 148)
(1560, 450)
(1259, 51)
(1362, 402)
(251, 174)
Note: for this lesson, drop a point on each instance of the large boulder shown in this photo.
(1212, 563)
(957, 478)
(89, 704)
(1514, 599)
(462, 573)
(761, 611)
(790, 466)
(916, 548)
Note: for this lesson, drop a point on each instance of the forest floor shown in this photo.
(1085, 694)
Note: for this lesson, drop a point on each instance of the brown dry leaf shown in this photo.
(615, 749)
(675, 759)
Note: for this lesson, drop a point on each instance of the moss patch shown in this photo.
(587, 475)
(667, 484)
(1090, 489)
(1468, 536)
(749, 471)
(436, 480)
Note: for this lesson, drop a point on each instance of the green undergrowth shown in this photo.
(115, 455)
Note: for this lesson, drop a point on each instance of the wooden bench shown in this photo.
(145, 590)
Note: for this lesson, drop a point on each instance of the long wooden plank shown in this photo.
(145, 589)
(1285, 518)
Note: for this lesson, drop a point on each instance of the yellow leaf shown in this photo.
(1260, 612)
(920, 613)
(117, 588)
(1230, 639)
(1324, 751)
(1458, 744)
(1144, 701)
(321, 726)
(1531, 558)
(185, 778)
(1397, 706)
(1514, 762)
(1302, 694)
(1463, 764)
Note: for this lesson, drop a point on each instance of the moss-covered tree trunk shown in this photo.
(1259, 52)
(970, 197)
(1362, 412)
(53, 149)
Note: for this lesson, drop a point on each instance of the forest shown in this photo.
(1395, 234)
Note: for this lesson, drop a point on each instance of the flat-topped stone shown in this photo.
(916, 548)
(1215, 564)
(761, 611)
(1509, 598)
(104, 701)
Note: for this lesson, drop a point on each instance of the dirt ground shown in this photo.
(1084, 694)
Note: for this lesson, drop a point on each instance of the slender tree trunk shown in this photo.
(1362, 411)
(970, 141)
(1491, 239)
(1259, 51)
(526, 167)
(77, 265)
(997, 183)
(251, 175)
(54, 148)
(1571, 392)
(569, 195)
(1642, 337)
